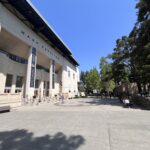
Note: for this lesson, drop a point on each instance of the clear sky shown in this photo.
(89, 27)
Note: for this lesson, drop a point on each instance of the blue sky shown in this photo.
(89, 27)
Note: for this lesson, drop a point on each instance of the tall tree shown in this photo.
(106, 76)
(92, 80)
(140, 35)
(121, 61)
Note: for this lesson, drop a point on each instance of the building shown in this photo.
(34, 61)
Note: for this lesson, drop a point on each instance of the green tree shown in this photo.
(140, 35)
(131, 57)
(121, 66)
(83, 76)
(92, 80)
(106, 79)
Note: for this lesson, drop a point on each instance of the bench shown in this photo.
(4, 109)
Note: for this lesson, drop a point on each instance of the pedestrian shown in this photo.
(62, 98)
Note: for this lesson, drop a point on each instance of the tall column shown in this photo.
(41, 88)
(51, 77)
(2, 82)
(63, 78)
(31, 73)
(13, 87)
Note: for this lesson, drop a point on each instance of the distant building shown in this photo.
(34, 61)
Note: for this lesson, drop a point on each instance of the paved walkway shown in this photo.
(78, 124)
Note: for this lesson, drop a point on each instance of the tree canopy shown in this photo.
(130, 59)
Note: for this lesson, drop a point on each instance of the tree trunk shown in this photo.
(139, 87)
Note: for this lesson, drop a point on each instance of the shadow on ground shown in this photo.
(108, 101)
(24, 140)
(98, 101)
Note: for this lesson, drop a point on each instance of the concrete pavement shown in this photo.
(78, 124)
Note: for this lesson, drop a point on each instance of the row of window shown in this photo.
(69, 75)
(45, 93)
(9, 81)
(19, 83)
(22, 60)
(37, 84)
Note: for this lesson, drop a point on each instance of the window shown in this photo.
(69, 74)
(32, 77)
(37, 84)
(47, 92)
(17, 59)
(9, 78)
(53, 64)
(8, 83)
(34, 51)
(44, 84)
(53, 76)
(33, 59)
(33, 56)
(19, 82)
(73, 76)
(53, 79)
(48, 85)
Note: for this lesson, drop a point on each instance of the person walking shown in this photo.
(61, 98)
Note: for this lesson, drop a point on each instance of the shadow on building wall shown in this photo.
(24, 140)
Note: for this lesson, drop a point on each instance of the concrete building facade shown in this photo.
(34, 61)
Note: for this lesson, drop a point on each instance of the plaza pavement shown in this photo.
(78, 124)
